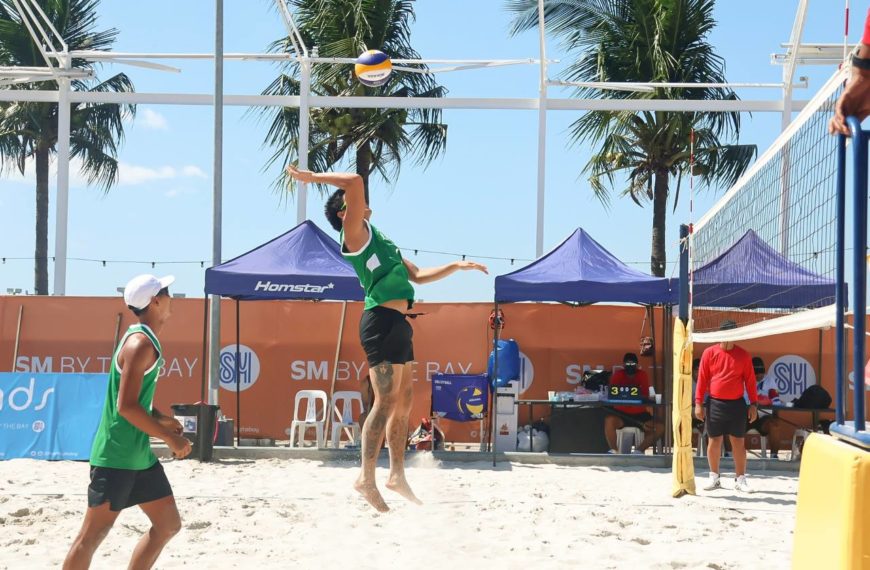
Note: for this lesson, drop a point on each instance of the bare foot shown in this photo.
(401, 487)
(372, 496)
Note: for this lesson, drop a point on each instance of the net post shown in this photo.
(859, 259)
(840, 339)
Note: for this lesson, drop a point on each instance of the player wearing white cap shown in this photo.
(124, 470)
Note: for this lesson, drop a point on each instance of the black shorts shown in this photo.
(127, 487)
(635, 420)
(386, 336)
(726, 417)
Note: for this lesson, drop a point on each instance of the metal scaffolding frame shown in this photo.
(58, 59)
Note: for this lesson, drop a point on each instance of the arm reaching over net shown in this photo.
(855, 100)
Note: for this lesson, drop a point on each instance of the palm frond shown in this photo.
(345, 28)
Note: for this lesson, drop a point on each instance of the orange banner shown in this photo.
(289, 346)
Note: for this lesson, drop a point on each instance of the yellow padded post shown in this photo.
(833, 506)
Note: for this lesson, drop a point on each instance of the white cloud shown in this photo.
(191, 170)
(128, 174)
(132, 174)
(76, 179)
(152, 120)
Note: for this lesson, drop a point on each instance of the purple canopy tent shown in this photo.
(303, 264)
(752, 275)
(580, 270)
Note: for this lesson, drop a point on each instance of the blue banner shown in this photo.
(50, 416)
(459, 397)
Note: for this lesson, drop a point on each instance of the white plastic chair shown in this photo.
(343, 416)
(313, 418)
(763, 441)
(637, 438)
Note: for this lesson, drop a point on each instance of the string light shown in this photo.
(415, 251)
(106, 262)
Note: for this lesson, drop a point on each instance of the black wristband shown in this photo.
(861, 62)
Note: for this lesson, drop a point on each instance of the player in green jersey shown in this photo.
(384, 330)
(124, 470)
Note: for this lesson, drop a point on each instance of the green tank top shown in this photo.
(380, 269)
(118, 443)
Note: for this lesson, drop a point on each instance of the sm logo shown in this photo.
(791, 375)
(249, 367)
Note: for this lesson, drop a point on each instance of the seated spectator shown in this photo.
(631, 416)
(767, 424)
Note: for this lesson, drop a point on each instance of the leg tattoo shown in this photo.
(373, 434)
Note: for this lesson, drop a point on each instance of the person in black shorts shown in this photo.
(124, 470)
(726, 375)
(384, 330)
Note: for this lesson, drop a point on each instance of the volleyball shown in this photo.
(470, 401)
(373, 68)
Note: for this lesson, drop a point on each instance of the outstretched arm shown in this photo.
(355, 232)
(430, 274)
(855, 99)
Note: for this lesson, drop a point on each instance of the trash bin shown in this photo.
(198, 425)
(225, 432)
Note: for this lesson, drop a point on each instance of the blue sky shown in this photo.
(478, 199)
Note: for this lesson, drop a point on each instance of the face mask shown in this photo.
(630, 367)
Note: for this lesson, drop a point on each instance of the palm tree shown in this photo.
(28, 131)
(646, 41)
(378, 139)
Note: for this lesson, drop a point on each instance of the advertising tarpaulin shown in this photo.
(50, 416)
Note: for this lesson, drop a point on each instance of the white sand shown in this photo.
(303, 514)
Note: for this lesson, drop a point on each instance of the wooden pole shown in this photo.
(17, 336)
(117, 333)
(330, 406)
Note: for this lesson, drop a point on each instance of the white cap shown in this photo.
(142, 288)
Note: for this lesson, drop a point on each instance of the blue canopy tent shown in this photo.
(580, 270)
(752, 275)
(303, 264)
